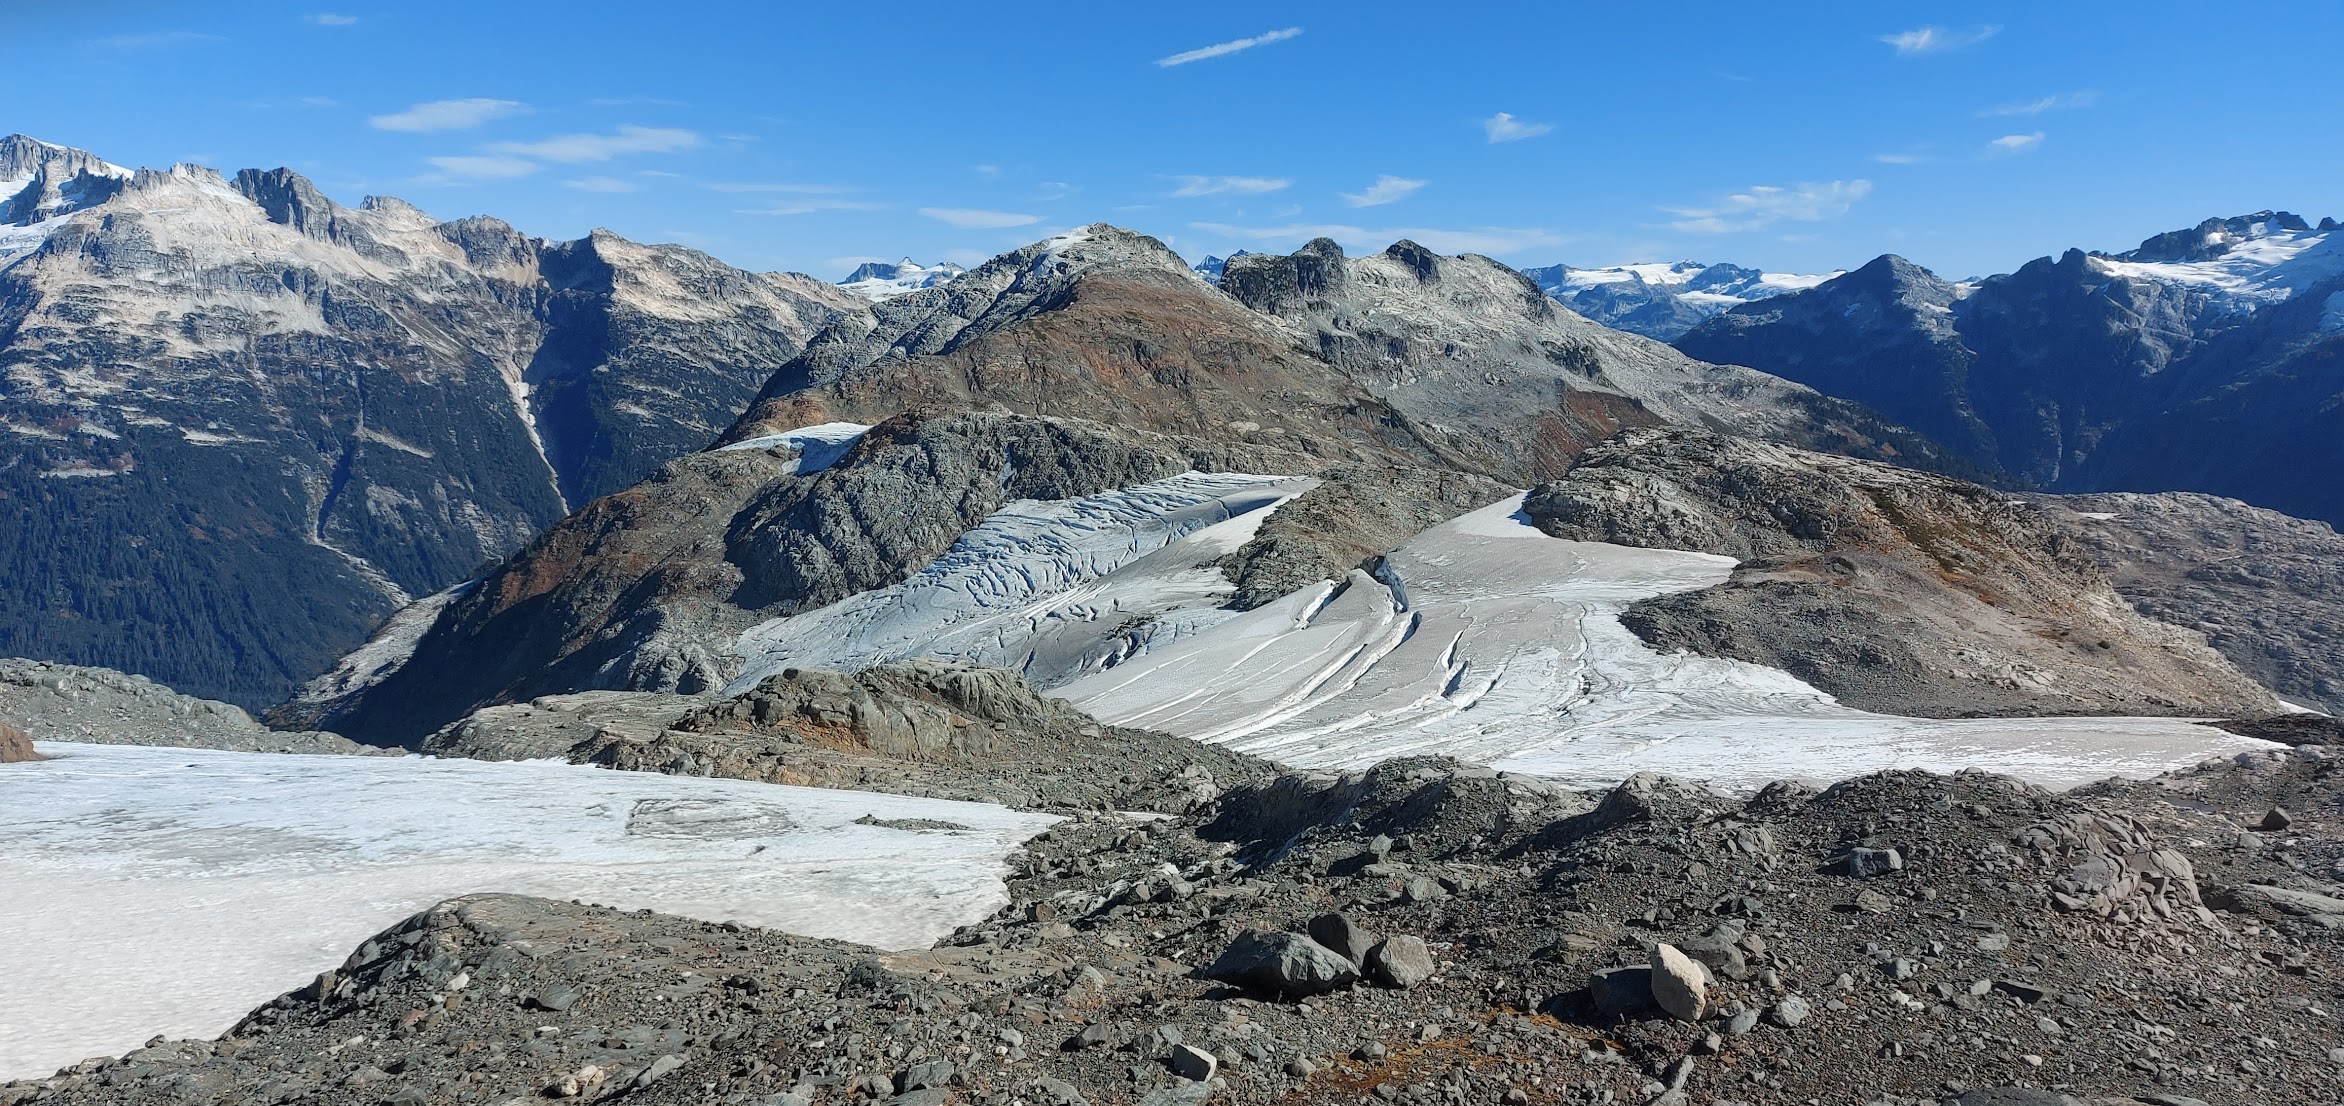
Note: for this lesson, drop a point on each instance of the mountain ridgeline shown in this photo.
(2206, 360)
(244, 423)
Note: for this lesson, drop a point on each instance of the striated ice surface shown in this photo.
(1489, 641)
(1048, 588)
(147, 890)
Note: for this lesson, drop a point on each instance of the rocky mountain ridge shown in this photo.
(245, 422)
(2197, 362)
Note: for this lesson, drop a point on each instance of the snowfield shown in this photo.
(1491, 642)
(170, 890)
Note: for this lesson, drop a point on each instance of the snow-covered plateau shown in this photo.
(169, 891)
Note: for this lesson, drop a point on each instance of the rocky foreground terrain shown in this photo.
(1419, 933)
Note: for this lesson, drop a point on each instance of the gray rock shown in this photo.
(1343, 934)
(2275, 820)
(920, 1077)
(2013, 1096)
(1864, 863)
(1057, 1092)
(1789, 1011)
(1743, 1021)
(1679, 986)
(1190, 1062)
(932, 1096)
(555, 997)
(1284, 964)
(1401, 961)
(659, 1069)
(1621, 991)
(1186, 1094)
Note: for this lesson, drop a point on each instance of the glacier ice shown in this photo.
(169, 891)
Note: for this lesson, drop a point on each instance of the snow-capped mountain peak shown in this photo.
(878, 280)
(1663, 299)
(41, 183)
(2242, 263)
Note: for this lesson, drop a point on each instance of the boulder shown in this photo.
(1679, 986)
(1400, 961)
(1284, 964)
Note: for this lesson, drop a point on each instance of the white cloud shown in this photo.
(812, 206)
(1484, 240)
(1937, 40)
(2063, 102)
(468, 168)
(1386, 189)
(979, 220)
(1243, 186)
(157, 40)
(2010, 144)
(331, 19)
(602, 184)
(1898, 159)
(1230, 47)
(572, 149)
(1054, 190)
(780, 186)
(1767, 205)
(448, 115)
(1503, 127)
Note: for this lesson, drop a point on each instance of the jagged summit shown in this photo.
(878, 280)
(2215, 237)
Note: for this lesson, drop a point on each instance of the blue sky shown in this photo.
(1804, 137)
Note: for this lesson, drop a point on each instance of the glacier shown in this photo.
(169, 891)
(1487, 640)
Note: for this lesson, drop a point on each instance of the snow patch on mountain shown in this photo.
(1486, 640)
(1664, 299)
(818, 447)
(2243, 263)
(1052, 589)
(877, 280)
(171, 890)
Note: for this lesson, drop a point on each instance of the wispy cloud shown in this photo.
(636, 101)
(466, 169)
(1230, 47)
(789, 187)
(603, 184)
(1485, 240)
(574, 149)
(448, 115)
(330, 19)
(1386, 189)
(1054, 190)
(156, 40)
(1899, 159)
(813, 206)
(2012, 144)
(1191, 185)
(1503, 127)
(2064, 102)
(1937, 40)
(1766, 205)
(972, 218)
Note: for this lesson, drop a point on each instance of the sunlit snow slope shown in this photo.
(170, 891)
(1489, 641)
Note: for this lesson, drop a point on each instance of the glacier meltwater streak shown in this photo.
(170, 891)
